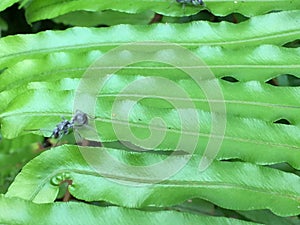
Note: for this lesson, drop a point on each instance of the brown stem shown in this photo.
(156, 19)
(67, 195)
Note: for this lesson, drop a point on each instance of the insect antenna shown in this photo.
(41, 131)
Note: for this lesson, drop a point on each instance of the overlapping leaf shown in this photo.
(109, 18)
(79, 213)
(249, 33)
(38, 10)
(254, 63)
(238, 97)
(6, 3)
(233, 185)
(252, 95)
(41, 75)
(266, 217)
(277, 143)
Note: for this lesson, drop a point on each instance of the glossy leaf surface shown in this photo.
(234, 185)
(41, 78)
(38, 10)
(249, 33)
(277, 143)
(79, 213)
(248, 64)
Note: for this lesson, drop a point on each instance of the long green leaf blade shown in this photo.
(248, 33)
(18, 211)
(238, 97)
(254, 63)
(43, 109)
(233, 185)
(39, 10)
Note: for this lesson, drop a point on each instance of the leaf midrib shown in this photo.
(264, 104)
(176, 183)
(155, 127)
(185, 44)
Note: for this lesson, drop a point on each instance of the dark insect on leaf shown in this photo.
(65, 127)
(191, 2)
